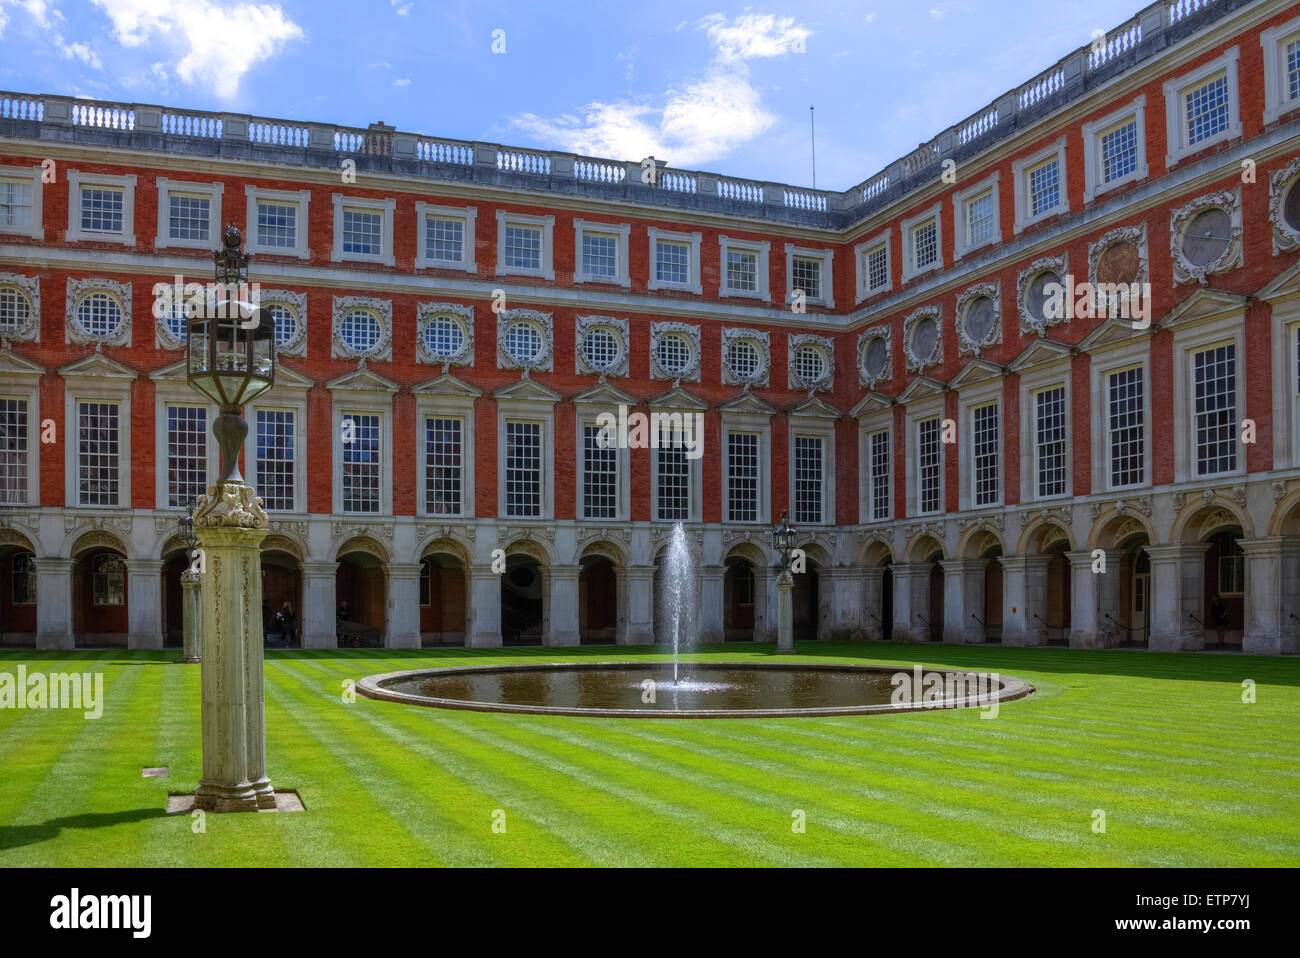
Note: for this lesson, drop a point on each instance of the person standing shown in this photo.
(286, 623)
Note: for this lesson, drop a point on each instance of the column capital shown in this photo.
(1265, 545)
(1172, 553)
(315, 569)
(1083, 557)
(1018, 563)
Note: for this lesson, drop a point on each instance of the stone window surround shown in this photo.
(383, 308)
(97, 389)
(36, 230)
(823, 429)
(746, 423)
(983, 394)
(585, 415)
(212, 191)
(908, 227)
(302, 198)
(78, 289)
(30, 286)
(692, 242)
(1092, 138)
(1274, 40)
(1186, 344)
(343, 402)
(1049, 376)
(270, 401)
(694, 512)
(1175, 113)
(868, 426)
(1130, 355)
(960, 199)
(27, 386)
(468, 215)
(76, 180)
(826, 345)
(883, 331)
(1020, 170)
(862, 251)
(1286, 326)
(435, 406)
(172, 393)
(546, 224)
(827, 257)
(296, 302)
(620, 232)
(916, 412)
(761, 341)
(546, 328)
(582, 324)
(762, 249)
(386, 208)
(527, 410)
(692, 333)
(463, 315)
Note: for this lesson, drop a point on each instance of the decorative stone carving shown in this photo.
(875, 365)
(584, 326)
(1286, 236)
(1238, 495)
(917, 327)
(1137, 235)
(544, 360)
(383, 347)
(1029, 323)
(1180, 500)
(296, 303)
(593, 533)
(1280, 489)
(691, 372)
(970, 338)
(120, 524)
(505, 533)
(28, 289)
(230, 504)
(76, 332)
(382, 532)
(1186, 269)
(425, 314)
(760, 342)
(825, 346)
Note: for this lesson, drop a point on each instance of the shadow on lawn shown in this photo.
(15, 836)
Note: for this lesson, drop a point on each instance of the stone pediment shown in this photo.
(922, 387)
(1041, 352)
(98, 366)
(747, 403)
(1286, 285)
(286, 378)
(603, 394)
(870, 403)
(1203, 305)
(975, 371)
(1113, 332)
(171, 373)
(527, 390)
(813, 408)
(362, 380)
(12, 364)
(677, 398)
(446, 385)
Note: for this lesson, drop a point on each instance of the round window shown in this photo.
(673, 353)
(523, 342)
(360, 331)
(174, 321)
(1291, 208)
(1207, 236)
(1037, 295)
(809, 364)
(979, 319)
(1121, 262)
(925, 337)
(286, 323)
(15, 311)
(99, 315)
(444, 337)
(600, 347)
(874, 357)
(743, 359)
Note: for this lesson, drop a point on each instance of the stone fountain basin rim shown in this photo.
(373, 687)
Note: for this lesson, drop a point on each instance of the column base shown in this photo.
(1270, 645)
(192, 660)
(215, 797)
(265, 793)
(52, 643)
(1085, 640)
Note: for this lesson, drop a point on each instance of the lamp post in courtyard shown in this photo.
(783, 537)
(230, 359)
(191, 600)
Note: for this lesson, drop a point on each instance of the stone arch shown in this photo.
(364, 544)
(977, 542)
(525, 546)
(1285, 520)
(1113, 527)
(747, 550)
(96, 539)
(444, 545)
(287, 543)
(1197, 521)
(875, 552)
(816, 553)
(1040, 534)
(921, 546)
(16, 539)
(603, 548)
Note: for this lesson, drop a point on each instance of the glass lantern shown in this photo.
(783, 537)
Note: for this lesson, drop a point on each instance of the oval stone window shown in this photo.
(925, 337)
(979, 319)
(1207, 236)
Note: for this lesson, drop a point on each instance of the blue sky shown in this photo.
(704, 85)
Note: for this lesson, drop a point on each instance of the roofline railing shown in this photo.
(382, 148)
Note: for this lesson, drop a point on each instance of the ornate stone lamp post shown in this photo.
(783, 537)
(231, 360)
(191, 601)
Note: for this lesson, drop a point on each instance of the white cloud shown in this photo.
(51, 19)
(403, 9)
(691, 124)
(869, 17)
(215, 45)
(402, 81)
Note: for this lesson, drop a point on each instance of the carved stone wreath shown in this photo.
(1281, 182)
(913, 362)
(544, 361)
(822, 344)
(865, 376)
(966, 343)
(1137, 235)
(295, 303)
(30, 288)
(1060, 265)
(383, 348)
(120, 292)
(692, 334)
(1185, 271)
(762, 345)
(583, 327)
(425, 314)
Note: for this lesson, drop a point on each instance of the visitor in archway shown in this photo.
(344, 613)
(1219, 615)
(285, 617)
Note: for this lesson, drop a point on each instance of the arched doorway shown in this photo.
(1225, 589)
(175, 561)
(100, 612)
(876, 561)
(934, 599)
(597, 601)
(443, 598)
(281, 583)
(807, 605)
(738, 597)
(886, 615)
(17, 590)
(361, 591)
(522, 601)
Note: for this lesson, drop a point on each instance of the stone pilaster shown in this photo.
(485, 612)
(911, 602)
(1085, 632)
(1271, 587)
(403, 605)
(144, 609)
(54, 603)
(846, 603)
(319, 605)
(562, 600)
(1024, 600)
(873, 606)
(711, 604)
(963, 601)
(191, 617)
(638, 624)
(1177, 597)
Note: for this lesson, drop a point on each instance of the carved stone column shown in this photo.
(192, 616)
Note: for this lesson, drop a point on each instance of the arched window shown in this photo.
(1232, 564)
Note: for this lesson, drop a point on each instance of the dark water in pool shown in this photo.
(708, 688)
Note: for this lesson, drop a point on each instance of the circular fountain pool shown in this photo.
(706, 689)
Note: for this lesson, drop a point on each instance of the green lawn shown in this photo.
(1186, 773)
